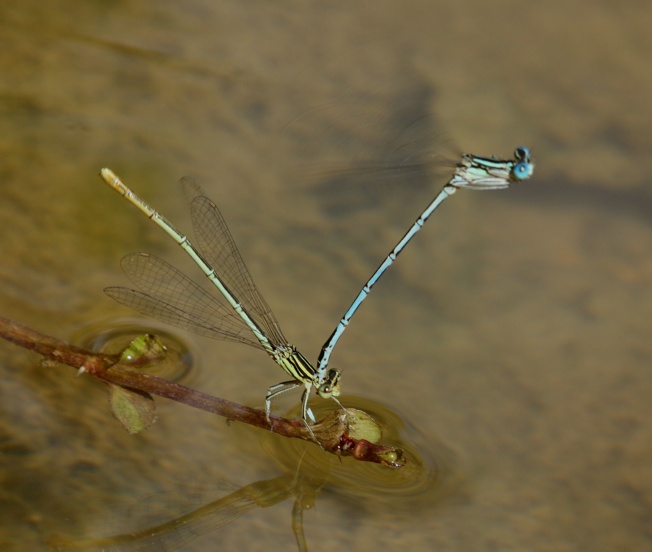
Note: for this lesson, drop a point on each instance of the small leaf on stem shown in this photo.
(135, 410)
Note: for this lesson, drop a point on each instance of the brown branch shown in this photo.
(332, 432)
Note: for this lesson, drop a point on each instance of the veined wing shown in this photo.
(170, 296)
(217, 246)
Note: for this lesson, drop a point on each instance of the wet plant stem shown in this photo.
(331, 432)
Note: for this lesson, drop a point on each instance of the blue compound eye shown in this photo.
(522, 171)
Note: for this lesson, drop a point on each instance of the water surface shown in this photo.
(513, 333)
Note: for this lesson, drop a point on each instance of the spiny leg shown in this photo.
(276, 390)
(280, 388)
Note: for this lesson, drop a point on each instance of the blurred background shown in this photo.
(513, 332)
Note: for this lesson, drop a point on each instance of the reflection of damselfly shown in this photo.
(169, 295)
(175, 534)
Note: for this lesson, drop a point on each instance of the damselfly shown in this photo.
(167, 294)
(473, 172)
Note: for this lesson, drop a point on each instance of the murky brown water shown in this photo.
(513, 333)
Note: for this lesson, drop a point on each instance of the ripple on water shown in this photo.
(112, 336)
(429, 474)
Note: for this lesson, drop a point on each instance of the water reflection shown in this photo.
(427, 478)
(178, 532)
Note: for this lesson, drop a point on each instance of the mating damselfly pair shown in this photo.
(167, 294)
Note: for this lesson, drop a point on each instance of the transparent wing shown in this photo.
(170, 296)
(216, 244)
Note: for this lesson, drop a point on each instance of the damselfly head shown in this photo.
(331, 385)
(523, 169)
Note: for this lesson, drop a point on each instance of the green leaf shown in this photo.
(362, 426)
(135, 410)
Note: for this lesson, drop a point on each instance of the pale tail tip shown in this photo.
(108, 175)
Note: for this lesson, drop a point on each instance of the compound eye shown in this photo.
(522, 171)
(522, 153)
(325, 391)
